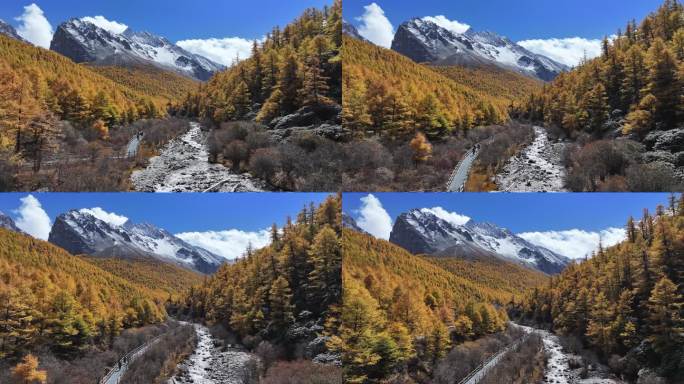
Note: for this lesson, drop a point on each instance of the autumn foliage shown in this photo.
(636, 84)
(297, 66)
(626, 296)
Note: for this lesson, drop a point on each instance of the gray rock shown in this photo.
(647, 376)
(663, 156)
(671, 140)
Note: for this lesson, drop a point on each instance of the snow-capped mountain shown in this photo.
(424, 41)
(84, 42)
(8, 30)
(350, 30)
(421, 231)
(350, 223)
(79, 232)
(7, 223)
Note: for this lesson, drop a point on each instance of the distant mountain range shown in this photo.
(85, 42)
(81, 233)
(423, 41)
(420, 231)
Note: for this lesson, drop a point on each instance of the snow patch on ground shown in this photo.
(210, 364)
(538, 168)
(183, 166)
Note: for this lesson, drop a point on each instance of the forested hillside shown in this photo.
(51, 299)
(271, 291)
(298, 66)
(635, 85)
(164, 86)
(39, 87)
(389, 94)
(402, 311)
(627, 301)
(162, 278)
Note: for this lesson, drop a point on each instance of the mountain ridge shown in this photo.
(85, 42)
(424, 41)
(420, 231)
(79, 232)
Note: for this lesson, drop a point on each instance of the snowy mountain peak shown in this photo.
(83, 41)
(423, 40)
(81, 232)
(7, 223)
(10, 31)
(350, 30)
(422, 231)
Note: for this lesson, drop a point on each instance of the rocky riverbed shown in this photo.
(183, 166)
(537, 168)
(213, 364)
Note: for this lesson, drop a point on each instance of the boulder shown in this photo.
(671, 140)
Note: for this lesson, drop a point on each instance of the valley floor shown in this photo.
(210, 364)
(183, 166)
(538, 168)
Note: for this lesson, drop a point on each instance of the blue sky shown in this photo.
(521, 19)
(569, 223)
(217, 29)
(175, 19)
(564, 30)
(224, 223)
(178, 212)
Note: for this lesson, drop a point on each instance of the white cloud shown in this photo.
(569, 51)
(107, 217)
(373, 218)
(575, 243)
(450, 25)
(32, 218)
(229, 244)
(109, 25)
(34, 27)
(375, 27)
(451, 217)
(223, 51)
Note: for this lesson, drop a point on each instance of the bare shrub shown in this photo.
(302, 372)
(159, 361)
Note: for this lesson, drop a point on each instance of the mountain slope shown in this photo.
(421, 231)
(391, 95)
(627, 301)
(150, 80)
(84, 42)
(634, 87)
(425, 41)
(286, 293)
(60, 301)
(292, 78)
(401, 309)
(150, 273)
(35, 81)
(79, 232)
